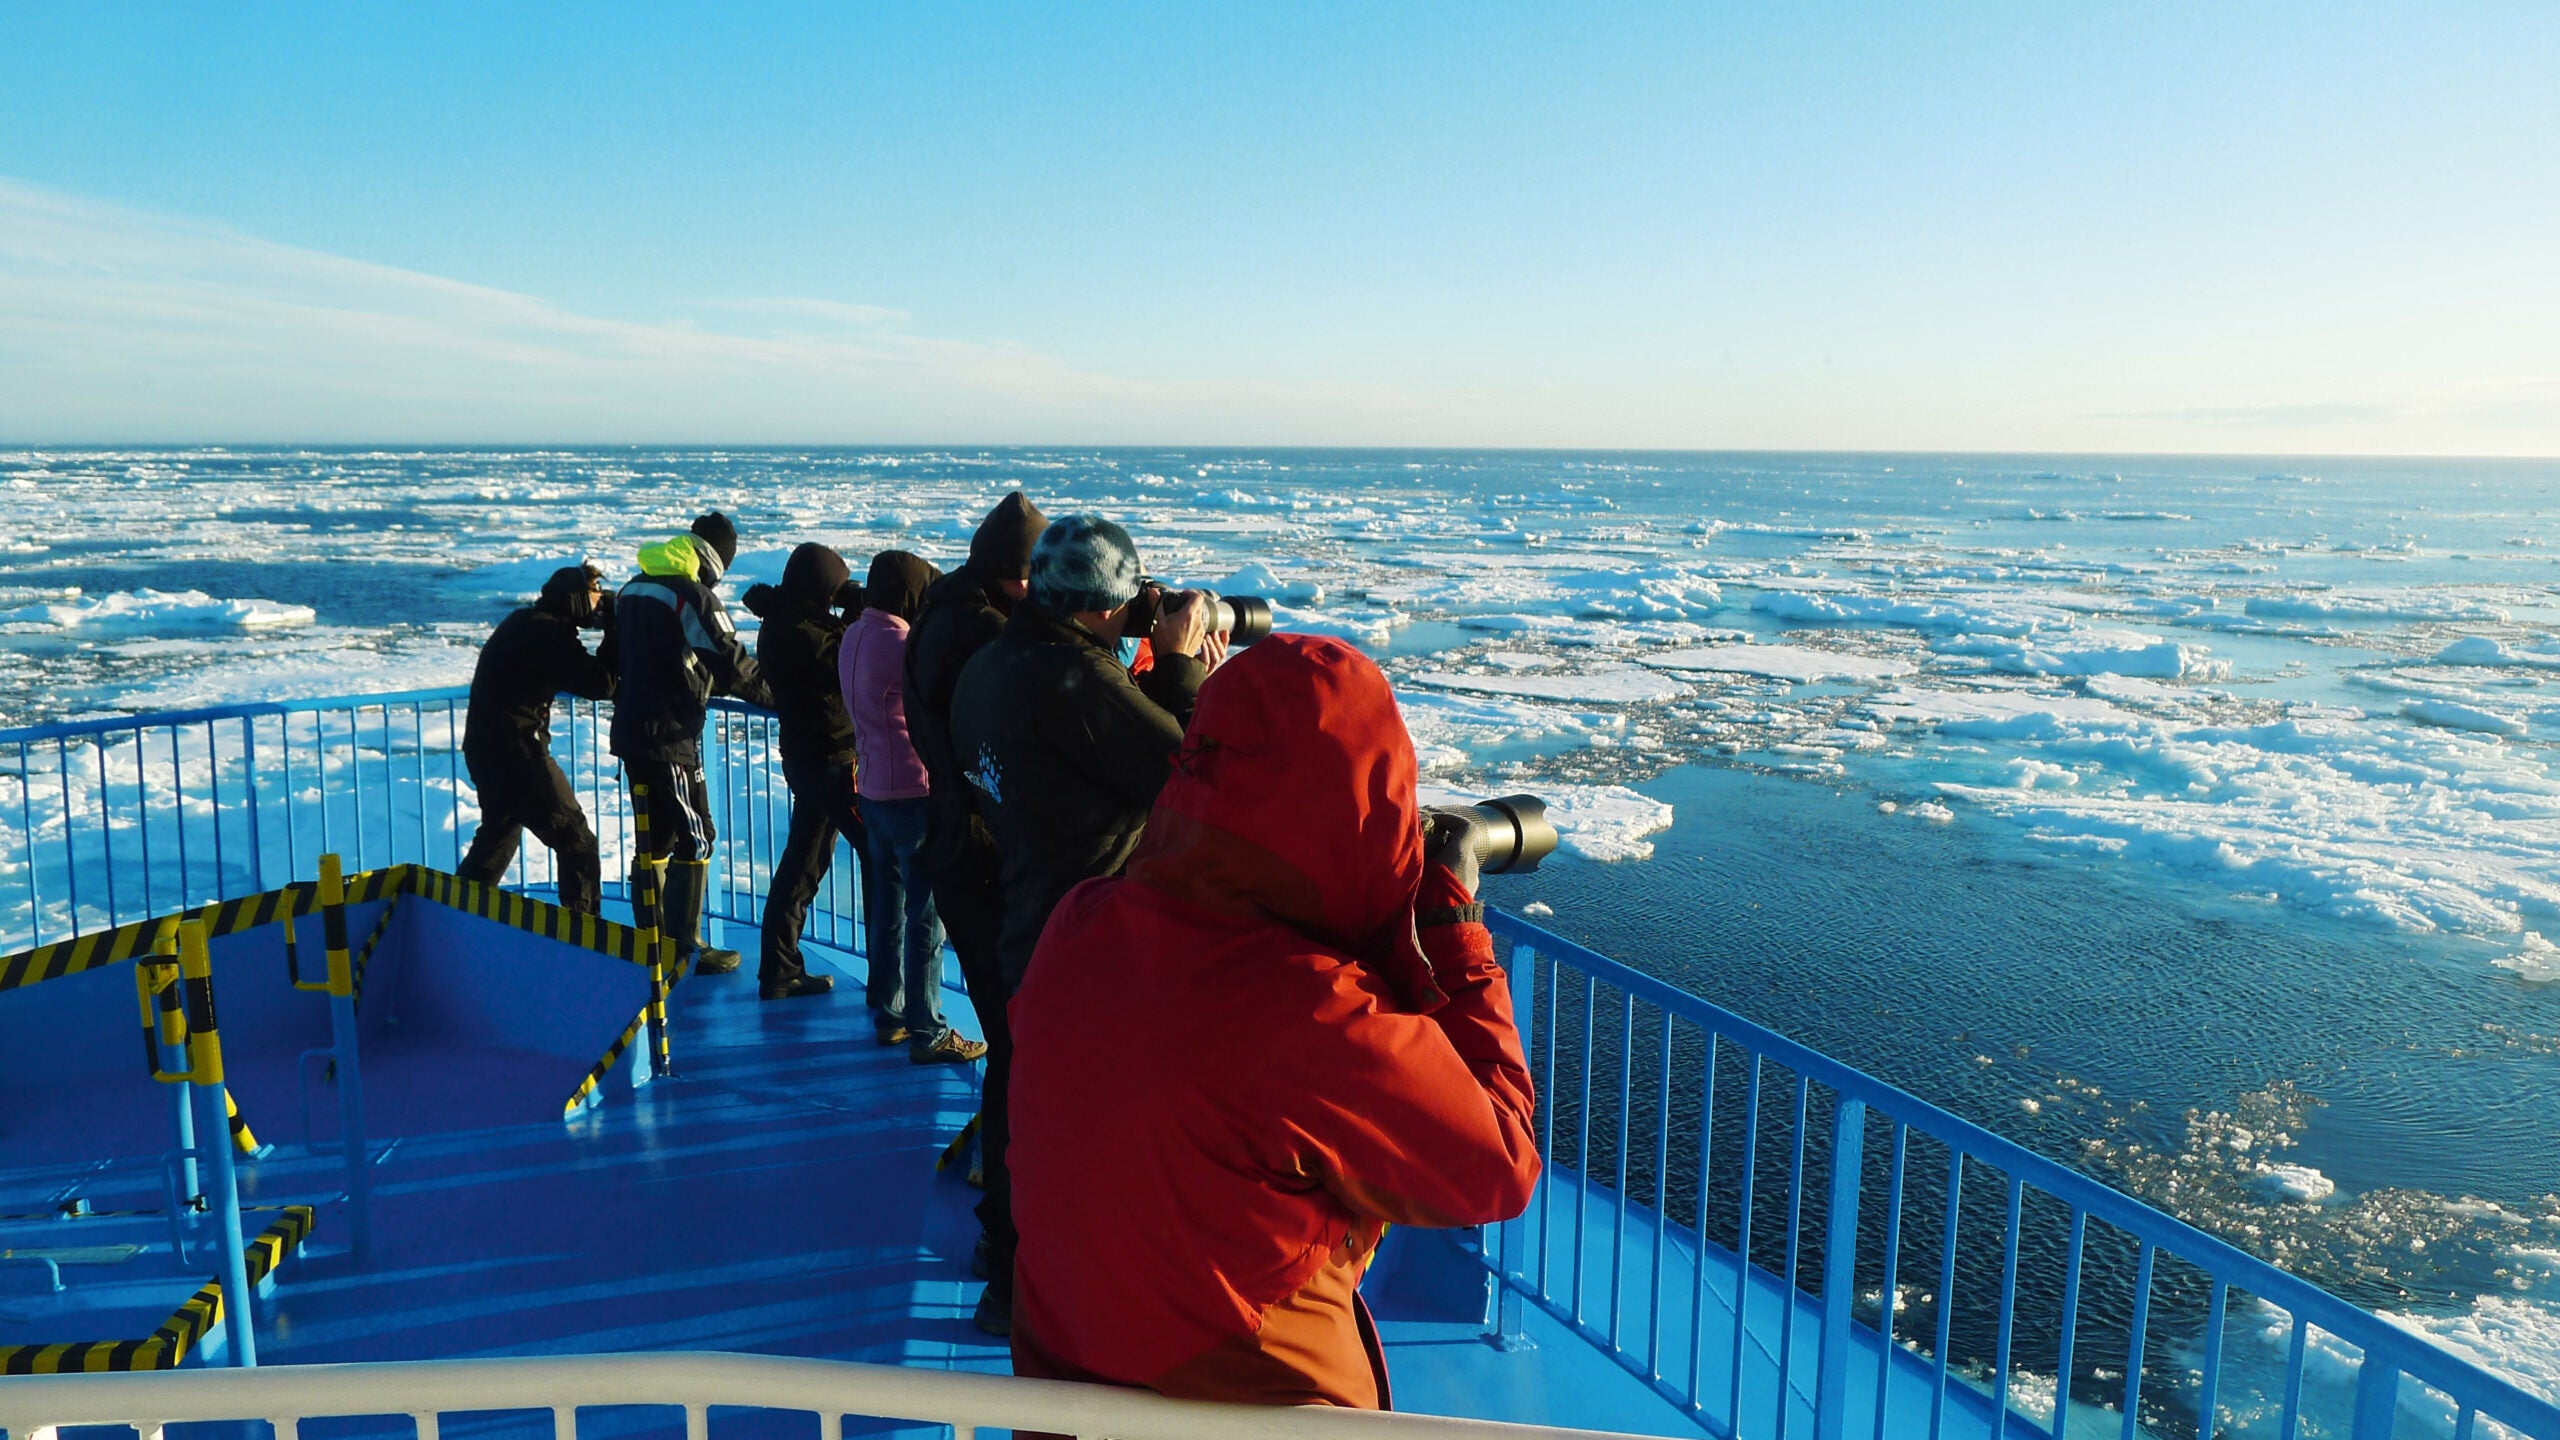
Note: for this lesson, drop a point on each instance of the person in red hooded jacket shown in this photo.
(1328, 1049)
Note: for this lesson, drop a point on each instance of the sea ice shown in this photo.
(2481, 650)
(2090, 652)
(156, 612)
(2453, 715)
(1798, 663)
(1612, 686)
(2299, 1183)
(2535, 959)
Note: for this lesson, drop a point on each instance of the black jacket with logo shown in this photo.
(1064, 753)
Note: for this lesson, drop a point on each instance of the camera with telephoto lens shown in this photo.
(1509, 835)
(1244, 618)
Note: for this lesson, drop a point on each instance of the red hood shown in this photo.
(1293, 798)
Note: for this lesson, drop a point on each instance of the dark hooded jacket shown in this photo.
(1063, 752)
(534, 654)
(961, 614)
(678, 650)
(796, 650)
(1197, 1210)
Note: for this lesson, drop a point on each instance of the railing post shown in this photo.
(2377, 1401)
(212, 1094)
(1839, 1270)
(343, 1034)
(249, 768)
(1509, 1329)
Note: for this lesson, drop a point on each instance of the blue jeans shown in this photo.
(908, 940)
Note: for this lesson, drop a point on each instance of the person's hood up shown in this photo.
(897, 584)
(812, 576)
(1293, 799)
(679, 556)
(565, 595)
(1001, 548)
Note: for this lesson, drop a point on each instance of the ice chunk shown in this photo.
(1259, 579)
(2299, 1183)
(156, 612)
(2535, 959)
(2481, 650)
(1784, 662)
(2369, 605)
(2453, 715)
(1613, 686)
(1982, 614)
(2091, 652)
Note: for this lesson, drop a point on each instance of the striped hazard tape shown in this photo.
(488, 902)
(229, 917)
(523, 912)
(163, 1348)
(597, 1071)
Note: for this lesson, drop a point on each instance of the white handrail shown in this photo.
(31, 1406)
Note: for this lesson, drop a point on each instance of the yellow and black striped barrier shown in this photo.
(228, 917)
(520, 912)
(168, 1345)
(161, 991)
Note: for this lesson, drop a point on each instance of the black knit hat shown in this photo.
(1001, 550)
(715, 527)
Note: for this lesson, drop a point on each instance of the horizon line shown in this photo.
(1254, 447)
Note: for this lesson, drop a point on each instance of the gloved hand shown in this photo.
(1448, 840)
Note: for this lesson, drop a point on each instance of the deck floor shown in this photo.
(778, 1195)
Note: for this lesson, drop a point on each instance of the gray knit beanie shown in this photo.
(1083, 562)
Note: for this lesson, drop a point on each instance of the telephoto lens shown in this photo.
(1510, 835)
(1245, 618)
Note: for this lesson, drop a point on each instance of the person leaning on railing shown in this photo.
(1282, 1030)
(796, 650)
(678, 649)
(533, 656)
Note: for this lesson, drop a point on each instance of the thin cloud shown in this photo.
(115, 323)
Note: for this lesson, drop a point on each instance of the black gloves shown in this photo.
(1448, 839)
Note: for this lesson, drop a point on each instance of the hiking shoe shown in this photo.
(797, 986)
(890, 1033)
(708, 961)
(995, 1314)
(952, 1049)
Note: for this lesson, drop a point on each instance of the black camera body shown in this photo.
(1244, 618)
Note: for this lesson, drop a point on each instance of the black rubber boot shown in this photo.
(688, 890)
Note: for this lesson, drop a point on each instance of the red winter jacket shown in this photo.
(1235, 1065)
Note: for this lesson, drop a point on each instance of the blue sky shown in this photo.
(2270, 228)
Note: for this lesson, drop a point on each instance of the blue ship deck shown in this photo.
(779, 1195)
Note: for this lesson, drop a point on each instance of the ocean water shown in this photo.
(2193, 821)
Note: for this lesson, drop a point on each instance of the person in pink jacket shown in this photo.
(906, 944)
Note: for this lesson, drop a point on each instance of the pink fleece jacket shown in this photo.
(871, 669)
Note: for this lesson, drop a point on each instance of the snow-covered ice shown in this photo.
(1784, 662)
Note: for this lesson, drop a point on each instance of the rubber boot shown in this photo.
(688, 890)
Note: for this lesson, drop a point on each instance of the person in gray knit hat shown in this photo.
(1064, 749)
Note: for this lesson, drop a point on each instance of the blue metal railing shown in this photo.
(1720, 1203)
(1656, 1121)
(118, 819)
